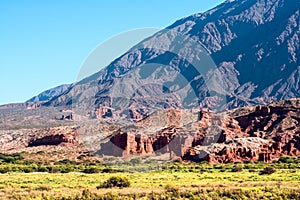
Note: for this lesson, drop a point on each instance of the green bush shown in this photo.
(28, 170)
(53, 169)
(135, 161)
(11, 158)
(43, 169)
(286, 159)
(115, 181)
(4, 170)
(67, 162)
(91, 170)
(236, 169)
(66, 169)
(110, 170)
(267, 170)
(18, 156)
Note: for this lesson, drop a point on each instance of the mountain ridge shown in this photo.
(255, 45)
(50, 93)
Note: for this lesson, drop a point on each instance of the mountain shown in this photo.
(240, 53)
(188, 90)
(51, 93)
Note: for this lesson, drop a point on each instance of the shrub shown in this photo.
(286, 159)
(7, 159)
(91, 170)
(4, 170)
(43, 188)
(267, 170)
(41, 152)
(53, 169)
(236, 169)
(115, 181)
(18, 156)
(173, 189)
(67, 162)
(66, 169)
(11, 158)
(135, 161)
(110, 170)
(28, 170)
(43, 169)
(178, 161)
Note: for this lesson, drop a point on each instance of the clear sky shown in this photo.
(44, 43)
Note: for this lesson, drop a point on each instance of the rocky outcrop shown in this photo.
(56, 139)
(272, 131)
(177, 136)
(19, 140)
(103, 112)
(262, 133)
(236, 150)
(125, 144)
(26, 105)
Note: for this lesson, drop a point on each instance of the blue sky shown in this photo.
(44, 43)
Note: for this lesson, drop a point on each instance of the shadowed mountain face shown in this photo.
(254, 46)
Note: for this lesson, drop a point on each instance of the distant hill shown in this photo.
(51, 93)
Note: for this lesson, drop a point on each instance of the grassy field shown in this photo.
(23, 180)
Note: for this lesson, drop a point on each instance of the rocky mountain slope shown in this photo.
(240, 53)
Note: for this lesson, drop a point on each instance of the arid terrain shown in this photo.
(245, 153)
(258, 133)
(207, 108)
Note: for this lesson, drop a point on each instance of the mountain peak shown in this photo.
(259, 11)
(254, 44)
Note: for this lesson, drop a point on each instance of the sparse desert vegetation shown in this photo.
(147, 179)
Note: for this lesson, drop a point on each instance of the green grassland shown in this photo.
(149, 179)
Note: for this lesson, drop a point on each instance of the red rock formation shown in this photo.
(20, 140)
(103, 112)
(126, 144)
(55, 139)
(264, 133)
(173, 139)
(275, 130)
(236, 150)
